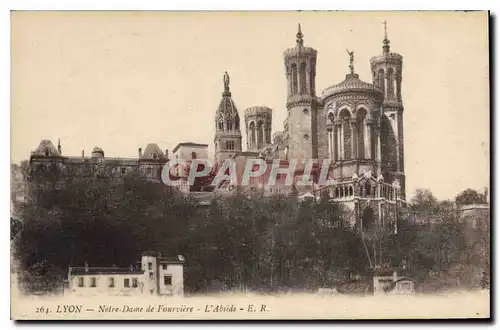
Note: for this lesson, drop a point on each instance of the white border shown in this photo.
(6, 6)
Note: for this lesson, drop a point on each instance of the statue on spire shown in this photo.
(226, 81)
(351, 60)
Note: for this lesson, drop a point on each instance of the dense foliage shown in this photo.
(234, 243)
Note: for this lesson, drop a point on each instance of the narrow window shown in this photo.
(150, 265)
(81, 282)
(126, 283)
(167, 280)
(111, 282)
(151, 275)
(134, 282)
(93, 282)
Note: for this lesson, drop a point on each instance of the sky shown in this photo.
(121, 80)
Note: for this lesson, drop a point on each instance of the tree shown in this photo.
(471, 196)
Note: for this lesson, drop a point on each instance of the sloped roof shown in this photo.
(46, 145)
(151, 149)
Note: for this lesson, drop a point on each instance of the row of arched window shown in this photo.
(230, 145)
(365, 190)
(351, 140)
(259, 135)
(388, 82)
(229, 124)
(298, 79)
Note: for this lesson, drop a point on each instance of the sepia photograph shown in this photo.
(239, 165)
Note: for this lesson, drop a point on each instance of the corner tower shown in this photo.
(387, 72)
(258, 123)
(227, 138)
(300, 125)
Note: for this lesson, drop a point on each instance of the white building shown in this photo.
(156, 275)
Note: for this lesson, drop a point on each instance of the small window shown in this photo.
(124, 170)
(164, 266)
(151, 275)
(93, 282)
(306, 111)
(111, 282)
(151, 291)
(306, 136)
(134, 282)
(81, 282)
(155, 156)
(193, 155)
(126, 283)
(167, 280)
(150, 265)
(46, 152)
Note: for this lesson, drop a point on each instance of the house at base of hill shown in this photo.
(154, 275)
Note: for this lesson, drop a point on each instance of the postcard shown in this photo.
(250, 165)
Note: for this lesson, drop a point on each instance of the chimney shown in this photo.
(86, 267)
(59, 146)
(140, 152)
(166, 153)
(83, 153)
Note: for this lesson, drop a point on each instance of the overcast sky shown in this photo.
(122, 80)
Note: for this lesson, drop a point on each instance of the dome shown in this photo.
(97, 152)
(352, 83)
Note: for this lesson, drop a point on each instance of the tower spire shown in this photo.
(226, 85)
(386, 46)
(300, 36)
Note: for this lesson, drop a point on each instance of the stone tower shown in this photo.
(300, 133)
(258, 123)
(387, 75)
(227, 138)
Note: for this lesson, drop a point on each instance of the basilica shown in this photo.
(356, 127)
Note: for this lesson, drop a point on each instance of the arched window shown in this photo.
(302, 78)
(351, 191)
(336, 192)
(155, 155)
(260, 137)
(294, 79)
(361, 127)
(368, 189)
(221, 125)
(367, 219)
(390, 83)
(46, 152)
(252, 134)
(388, 146)
(237, 122)
(381, 79)
(193, 155)
(229, 125)
(347, 134)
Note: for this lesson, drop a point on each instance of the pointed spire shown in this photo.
(59, 145)
(386, 46)
(300, 36)
(226, 85)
